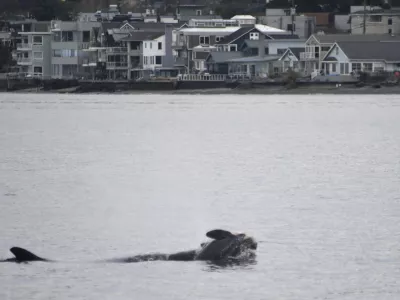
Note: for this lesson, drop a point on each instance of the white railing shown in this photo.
(116, 65)
(195, 77)
(24, 60)
(85, 46)
(24, 46)
(114, 50)
(312, 55)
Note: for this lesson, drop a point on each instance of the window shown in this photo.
(38, 70)
(57, 53)
(218, 38)
(344, 68)
(86, 36)
(38, 55)
(56, 70)
(67, 36)
(337, 50)
(159, 46)
(158, 60)
(375, 19)
(367, 67)
(232, 48)
(254, 35)
(198, 12)
(204, 40)
(57, 36)
(356, 67)
(37, 40)
(151, 45)
(266, 51)
(145, 60)
(390, 21)
(333, 68)
(390, 31)
(280, 51)
(289, 27)
(152, 60)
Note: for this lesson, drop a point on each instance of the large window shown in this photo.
(344, 68)
(158, 60)
(67, 36)
(64, 53)
(37, 40)
(159, 46)
(367, 67)
(38, 70)
(356, 67)
(204, 40)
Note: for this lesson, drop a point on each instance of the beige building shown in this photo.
(377, 21)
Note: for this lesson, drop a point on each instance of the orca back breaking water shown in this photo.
(224, 245)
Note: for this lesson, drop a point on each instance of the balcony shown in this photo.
(117, 65)
(178, 44)
(312, 55)
(117, 50)
(24, 61)
(24, 46)
(89, 63)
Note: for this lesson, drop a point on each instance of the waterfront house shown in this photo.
(34, 51)
(378, 21)
(69, 39)
(217, 62)
(346, 59)
(317, 45)
(291, 59)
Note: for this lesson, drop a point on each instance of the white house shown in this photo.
(345, 58)
(153, 52)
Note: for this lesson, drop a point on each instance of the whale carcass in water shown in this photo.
(223, 245)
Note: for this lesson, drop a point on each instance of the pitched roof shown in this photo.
(223, 56)
(388, 51)
(296, 51)
(255, 58)
(279, 36)
(142, 36)
(332, 38)
(235, 35)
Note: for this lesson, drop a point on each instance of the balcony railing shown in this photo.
(312, 55)
(24, 46)
(116, 50)
(117, 65)
(24, 60)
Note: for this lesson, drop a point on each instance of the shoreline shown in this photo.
(302, 90)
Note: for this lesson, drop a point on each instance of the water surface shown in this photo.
(316, 179)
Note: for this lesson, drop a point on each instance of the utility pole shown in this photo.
(365, 17)
(292, 10)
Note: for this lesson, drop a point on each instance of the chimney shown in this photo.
(261, 45)
(168, 59)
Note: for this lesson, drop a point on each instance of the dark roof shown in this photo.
(235, 35)
(331, 59)
(388, 12)
(296, 51)
(201, 54)
(388, 51)
(283, 36)
(111, 25)
(142, 36)
(333, 38)
(223, 56)
(191, 3)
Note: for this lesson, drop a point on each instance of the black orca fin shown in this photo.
(24, 255)
(218, 234)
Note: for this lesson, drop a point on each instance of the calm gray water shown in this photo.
(316, 179)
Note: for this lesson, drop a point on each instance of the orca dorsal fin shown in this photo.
(24, 255)
(219, 234)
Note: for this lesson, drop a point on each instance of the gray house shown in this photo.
(69, 39)
(34, 51)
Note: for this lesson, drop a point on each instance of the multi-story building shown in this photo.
(69, 39)
(377, 21)
(129, 51)
(34, 51)
(301, 25)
